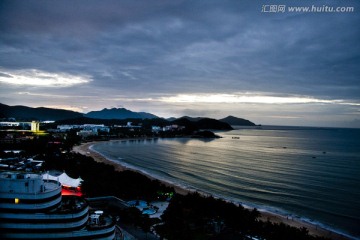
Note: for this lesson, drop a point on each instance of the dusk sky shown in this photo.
(174, 58)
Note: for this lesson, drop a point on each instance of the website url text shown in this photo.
(307, 9)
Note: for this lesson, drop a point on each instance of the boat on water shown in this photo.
(34, 208)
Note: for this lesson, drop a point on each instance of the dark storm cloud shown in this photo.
(159, 47)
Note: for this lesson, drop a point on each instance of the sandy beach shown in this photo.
(85, 149)
(313, 229)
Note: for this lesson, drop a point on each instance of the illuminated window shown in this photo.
(17, 200)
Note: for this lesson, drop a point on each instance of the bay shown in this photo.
(309, 173)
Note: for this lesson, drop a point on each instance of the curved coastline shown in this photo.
(314, 228)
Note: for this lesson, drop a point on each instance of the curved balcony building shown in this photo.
(33, 208)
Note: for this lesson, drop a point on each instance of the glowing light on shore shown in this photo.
(34, 77)
(243, 98)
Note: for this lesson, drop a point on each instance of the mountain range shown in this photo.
(119, 113)
(28, 114)
(25, 113)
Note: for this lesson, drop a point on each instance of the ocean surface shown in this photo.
(308, 173)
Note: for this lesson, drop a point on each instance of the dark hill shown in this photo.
(209, 123)
(193, 119)
(202, 123)
(27, 113)
(119, 113)
(189, 125)
(237, 121)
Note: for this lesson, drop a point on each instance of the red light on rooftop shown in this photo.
(66, 191)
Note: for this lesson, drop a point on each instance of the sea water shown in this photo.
(308, 173)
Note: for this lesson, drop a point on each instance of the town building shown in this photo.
(35, 126)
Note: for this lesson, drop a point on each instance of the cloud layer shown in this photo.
(135, 53)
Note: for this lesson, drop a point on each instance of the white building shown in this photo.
(156, 128)
(9, 124)
(68, 127)
(85, 129)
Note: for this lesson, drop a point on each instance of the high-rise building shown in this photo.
(35, 126)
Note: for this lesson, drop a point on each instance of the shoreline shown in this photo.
(314, 229)
(85, 149)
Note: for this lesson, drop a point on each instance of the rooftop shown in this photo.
(26, 183)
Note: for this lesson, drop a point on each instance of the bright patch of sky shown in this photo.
(241, 98)
(39, 78)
